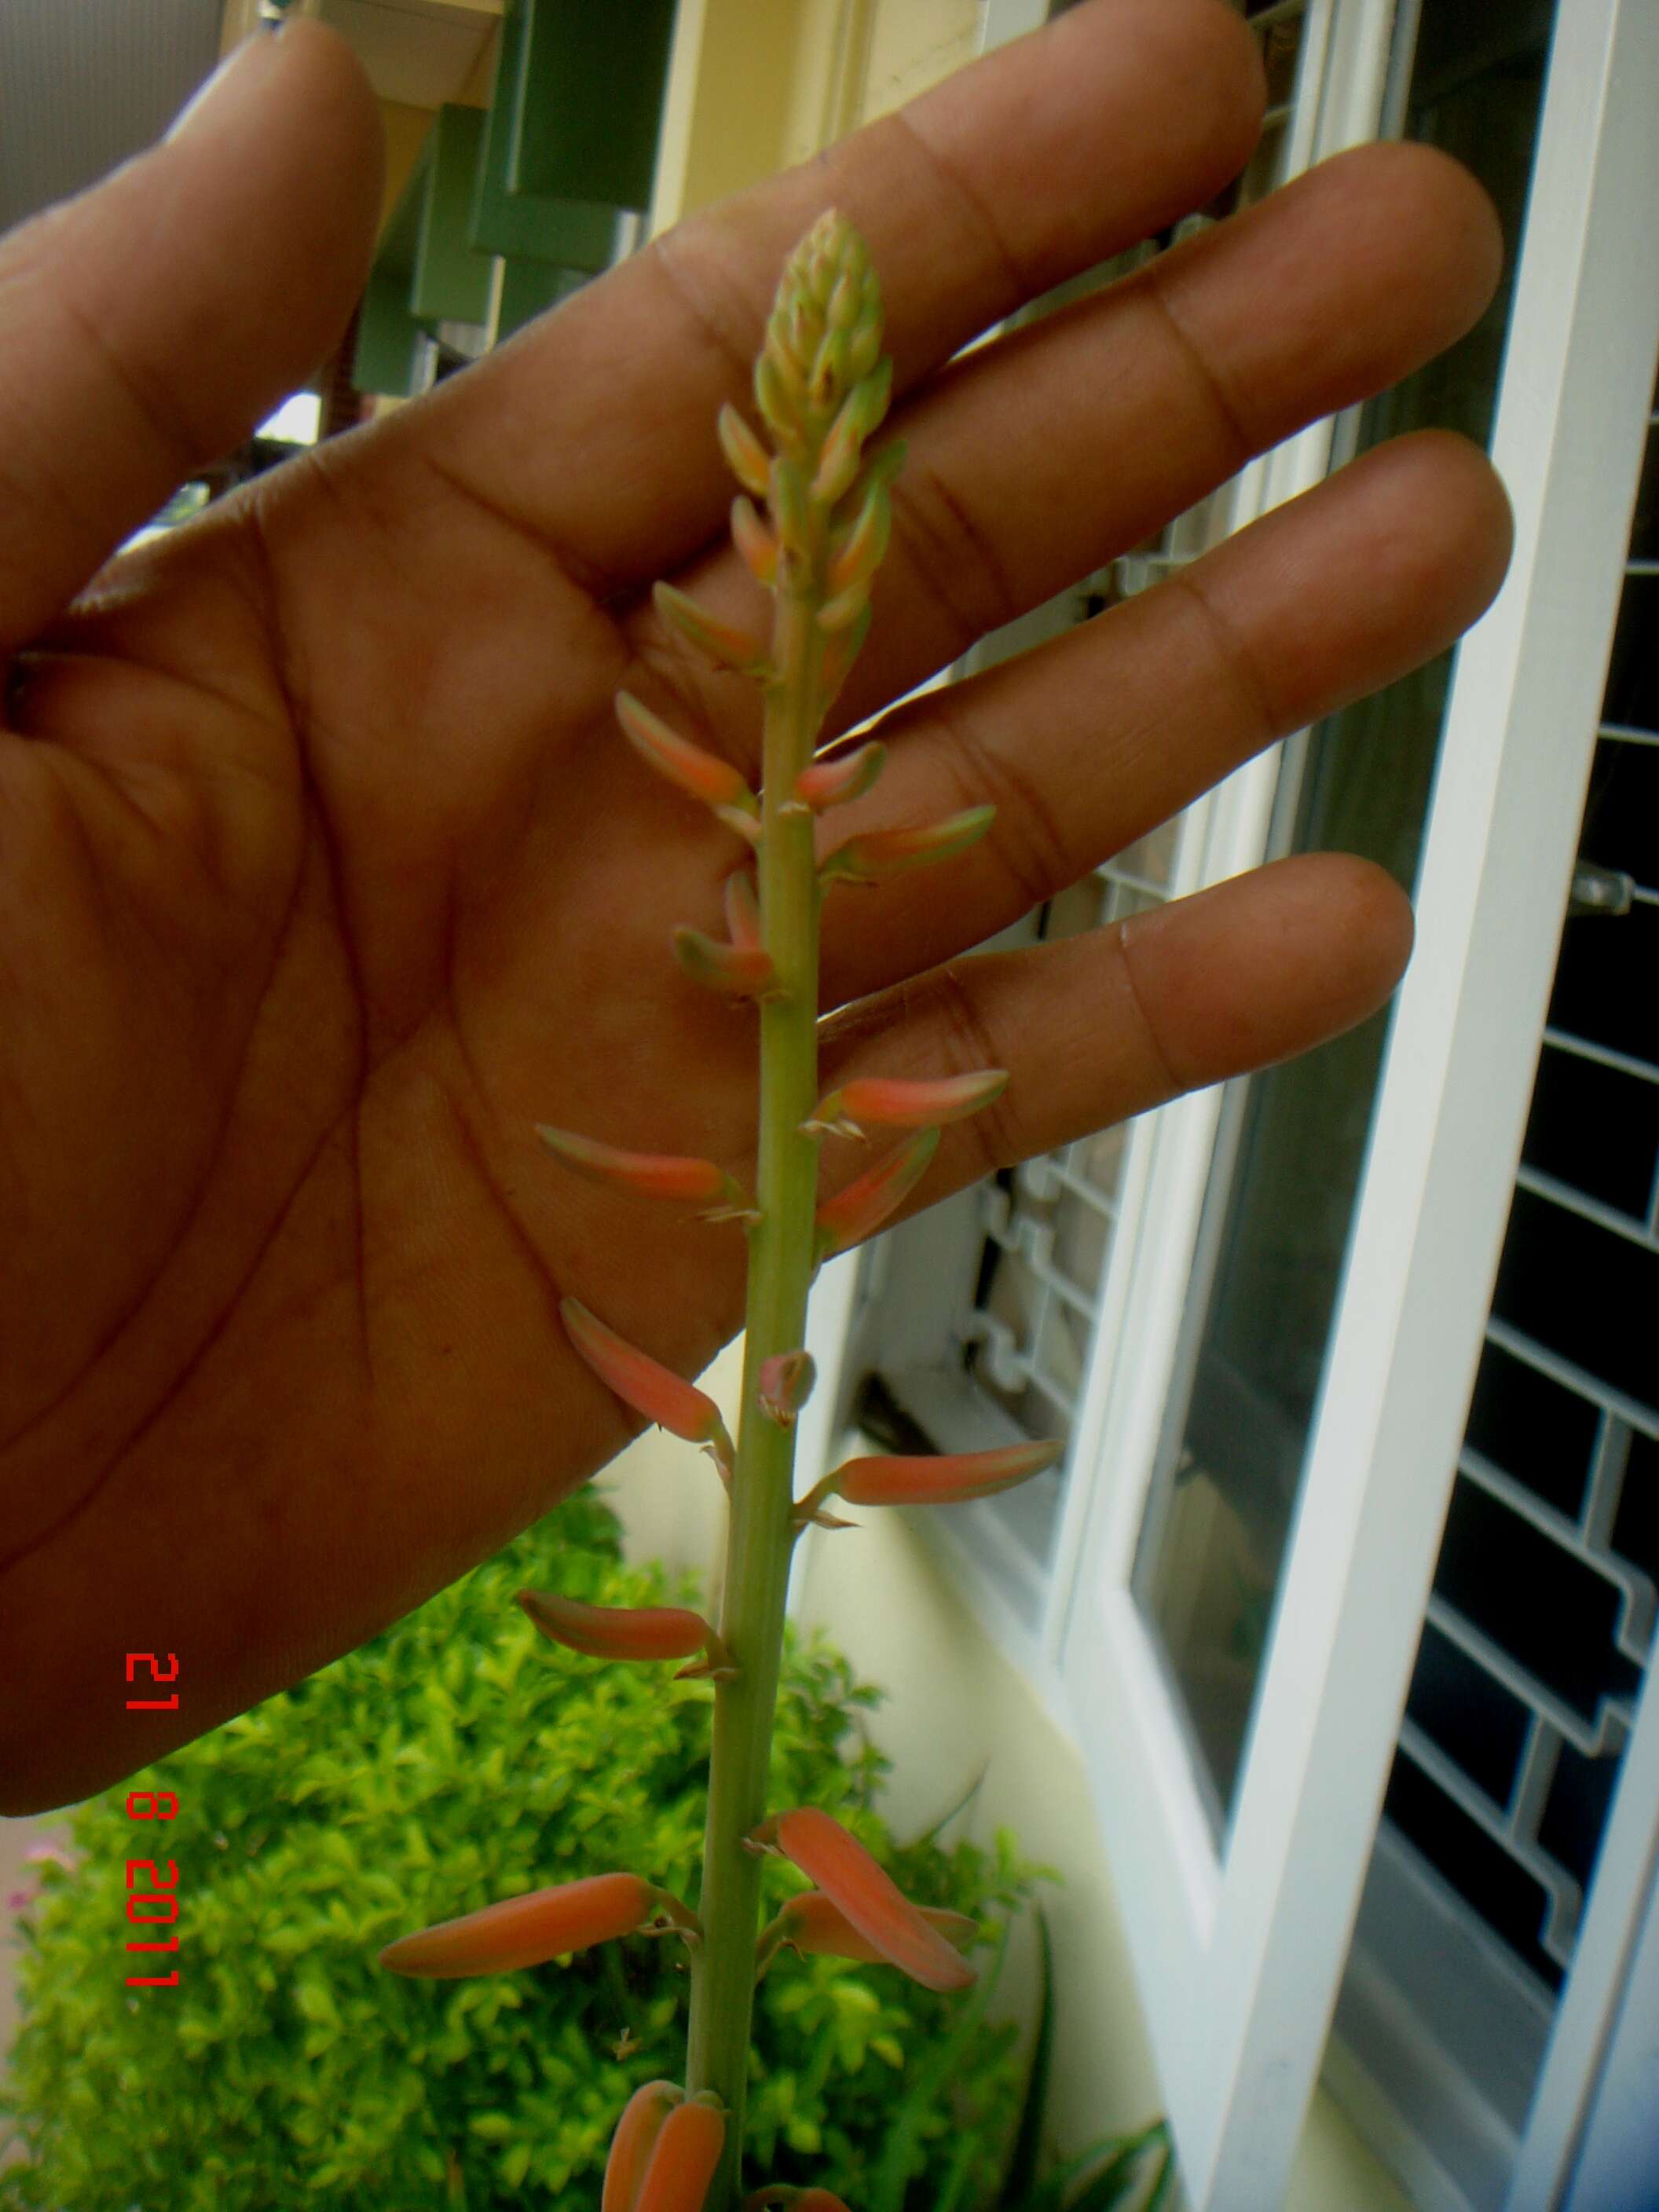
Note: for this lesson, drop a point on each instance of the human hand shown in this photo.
(326, 874)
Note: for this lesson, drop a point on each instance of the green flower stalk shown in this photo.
(811, 524)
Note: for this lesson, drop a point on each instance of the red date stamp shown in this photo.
(152, 1896)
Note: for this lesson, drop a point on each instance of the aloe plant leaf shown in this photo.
(955, 2191)
(892, 2173)
(1163, 2187)
(1022, 2174)
(955, 1810)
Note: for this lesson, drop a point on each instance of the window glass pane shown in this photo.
(1278, 1212)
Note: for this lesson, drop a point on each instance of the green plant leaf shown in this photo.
(333, 1817)
(1110, 2184)
(955, 1810)
(1164, 2188)
(900, 2149)
(1022, 2174)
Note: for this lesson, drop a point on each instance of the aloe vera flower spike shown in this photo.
(811, 522)
(812, 363)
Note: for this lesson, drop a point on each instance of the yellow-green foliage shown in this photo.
(456, 1759)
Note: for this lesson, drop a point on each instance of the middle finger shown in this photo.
(1039, 458)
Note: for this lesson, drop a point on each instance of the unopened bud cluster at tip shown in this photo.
(823, 334)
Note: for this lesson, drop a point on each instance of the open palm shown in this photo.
(324, 875)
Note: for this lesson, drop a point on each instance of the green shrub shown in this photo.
(457, 1759)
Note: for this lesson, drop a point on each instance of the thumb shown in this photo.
(150, 324)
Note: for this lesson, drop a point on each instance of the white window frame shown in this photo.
(1238, 1955)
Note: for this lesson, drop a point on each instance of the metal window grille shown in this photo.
(1558, 1477)
(1539, 1631)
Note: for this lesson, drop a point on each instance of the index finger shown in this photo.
(150, 323)
(1017, 173)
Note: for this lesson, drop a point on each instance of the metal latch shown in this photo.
(1599, 890)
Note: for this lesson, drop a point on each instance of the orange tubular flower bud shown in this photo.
(880, 1102)
(743, 918)
(721, 642)
(623, 1632)
(684, 2160)
(870, 1900)
(873, 393)
(650, 1175)
(849, 776)
(947, 1479)
(779, 401)
(857, 1212)
(882, 855)
(527, 1931)
(747, 826)
(815, 1925)
(860, 413)
(862, 354)
(839, 455)
(798, 329)
(754, 541)
(792, 332)
(703, 775)
(841, 652)
(642, 2121)
(645, 1385)
(745, 455)
(829, 372)
(847, 607)
(740, 971)
(883, 467)
(859, 557)
(800, 2200)
(786, 1384)
(842, 311)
